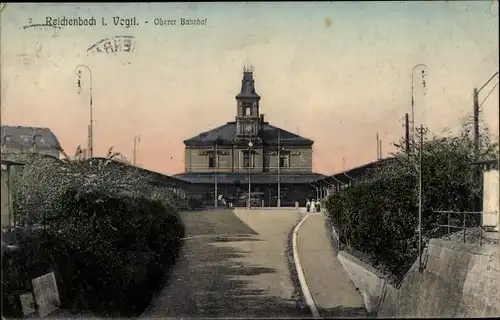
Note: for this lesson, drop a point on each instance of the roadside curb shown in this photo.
(300, 272)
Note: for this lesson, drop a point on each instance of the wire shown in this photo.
(488, 94)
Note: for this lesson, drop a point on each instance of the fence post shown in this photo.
(464, 227)
(481, 229)
(449, 223)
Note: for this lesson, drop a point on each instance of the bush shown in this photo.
(380, 217)
(107, 230)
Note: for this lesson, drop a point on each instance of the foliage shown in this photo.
(380, 217)
(107, 229)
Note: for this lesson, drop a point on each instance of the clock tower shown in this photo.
(247, 113)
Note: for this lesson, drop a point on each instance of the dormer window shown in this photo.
(248, 111)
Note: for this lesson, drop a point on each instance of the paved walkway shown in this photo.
(233, 266)
(333, 291)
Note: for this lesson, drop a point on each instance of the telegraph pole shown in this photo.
(475, 94)
(476, 126)
(407, 134)
(279, 165)
(137, 139)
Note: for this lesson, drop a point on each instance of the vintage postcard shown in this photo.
(251, 159)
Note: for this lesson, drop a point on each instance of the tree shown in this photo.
(380, 217)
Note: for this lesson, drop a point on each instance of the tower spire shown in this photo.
(248, 85)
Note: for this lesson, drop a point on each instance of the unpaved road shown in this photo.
(233, 264)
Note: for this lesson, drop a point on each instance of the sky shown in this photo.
(333, 72)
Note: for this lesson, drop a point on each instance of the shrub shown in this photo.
(380, 217)
(107, 230)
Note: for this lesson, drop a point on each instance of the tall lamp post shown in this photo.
(250, 145)
(279, 168)
(424, 73)
(137, 139)
(78, 71)
(216, 198)
(420, 187)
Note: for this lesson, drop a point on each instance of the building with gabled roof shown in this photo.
(18, 142)
(250, 148)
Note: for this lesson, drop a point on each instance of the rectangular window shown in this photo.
(212, 160)
(284, 160)
(248, 111)
(247, 159)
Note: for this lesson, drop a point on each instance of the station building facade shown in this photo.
(250, 153)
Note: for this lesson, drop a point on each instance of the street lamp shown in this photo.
(250, 145)
(420, 202)
(279, 173)
(137, 139)
(78, 72)
(424, 73)
(216, 196)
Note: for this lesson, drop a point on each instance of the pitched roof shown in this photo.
(156, 176)
(255, 178)
(17, 137)
(364, 170)
(227, 133)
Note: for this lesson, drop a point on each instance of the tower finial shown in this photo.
(247, 67)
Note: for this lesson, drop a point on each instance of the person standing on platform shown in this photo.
(308, 205)
(313, 206)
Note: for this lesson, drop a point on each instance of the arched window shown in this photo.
(248, 111)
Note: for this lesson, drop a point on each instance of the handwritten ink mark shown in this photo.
(41, 26)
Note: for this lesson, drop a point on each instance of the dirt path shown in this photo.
(233, 265)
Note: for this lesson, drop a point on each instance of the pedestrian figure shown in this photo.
(308, 205)
(313, 206)
(318, 206)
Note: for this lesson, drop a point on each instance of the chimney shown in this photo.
(262, 118)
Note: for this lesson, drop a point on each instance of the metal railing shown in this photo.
(463, 223)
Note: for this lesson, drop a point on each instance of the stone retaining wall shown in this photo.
(458, 280)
